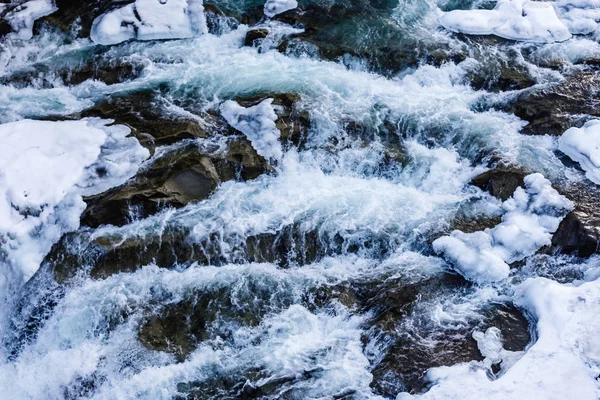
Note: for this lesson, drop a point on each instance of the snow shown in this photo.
(563, 363)
(150, 20)
(274, 7)
(531, 216)
(522, 20)
(45, 168)
(22, 17)
(258, 124)
(580, 16)
(583, 146)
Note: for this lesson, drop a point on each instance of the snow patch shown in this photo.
(532, 215)
(523, 20)
(22, 17)
(258, 124)
(274, 7)
(45, 168)
(150, 20)
(583, 146)
(580, 16)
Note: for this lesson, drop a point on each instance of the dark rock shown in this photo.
(416, 345)
(501, 181)
(346, 28)
(255, 34)
(152, 125)
(579, 231)
(554, 109)
(174, 179)
(45, 77)
(77, 16)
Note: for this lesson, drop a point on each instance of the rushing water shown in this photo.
(348, 298)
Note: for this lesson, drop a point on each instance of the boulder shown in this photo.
(555, 108)
(501, 181)
(579, 231)
(254, 35)
(173, 179)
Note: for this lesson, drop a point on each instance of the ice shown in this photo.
(523, 20)
(258, 124)
(45, 168)
(274, 7)
(583, 146)
(563, 363)
(580, 16)
(22, 17)
(150, 20)
(531, 216)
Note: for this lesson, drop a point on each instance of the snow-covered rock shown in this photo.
(583, 146)
(22, 17)
(580, 16)
(274, 7)
(524, 20)
(532, 215)
(45, 168)
(258, 124)
(563, 363)
(150, 20)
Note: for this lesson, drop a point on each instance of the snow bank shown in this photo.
(524, 20)
(45, 168)
(150, 20)
(580, 16)
(274, 7)
(562, 364)
(258, 124)
(532, 215)
(22, 17)
(583, 146)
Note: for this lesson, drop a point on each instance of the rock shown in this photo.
(554, 109)
(173, 179)
(412, 343)
(501, 181)
(97, 68)
(406, 362)
(254, 35)
(177, 329)
(343, 28)
(153, 126)
(579, 231)
(292, 121)
(82, 13)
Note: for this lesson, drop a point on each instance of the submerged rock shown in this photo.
(557, 107)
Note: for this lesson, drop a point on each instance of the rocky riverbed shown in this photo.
(312, 199)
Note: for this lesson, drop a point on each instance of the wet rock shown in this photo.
(214, 312)
(579, 231)
(254, 35)
(413, 343)
(144, 112)
(98, 68)
(77, 16)
(177, 330)
(554, 109)
(346, 28)
(173, 179)
(501, 181)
